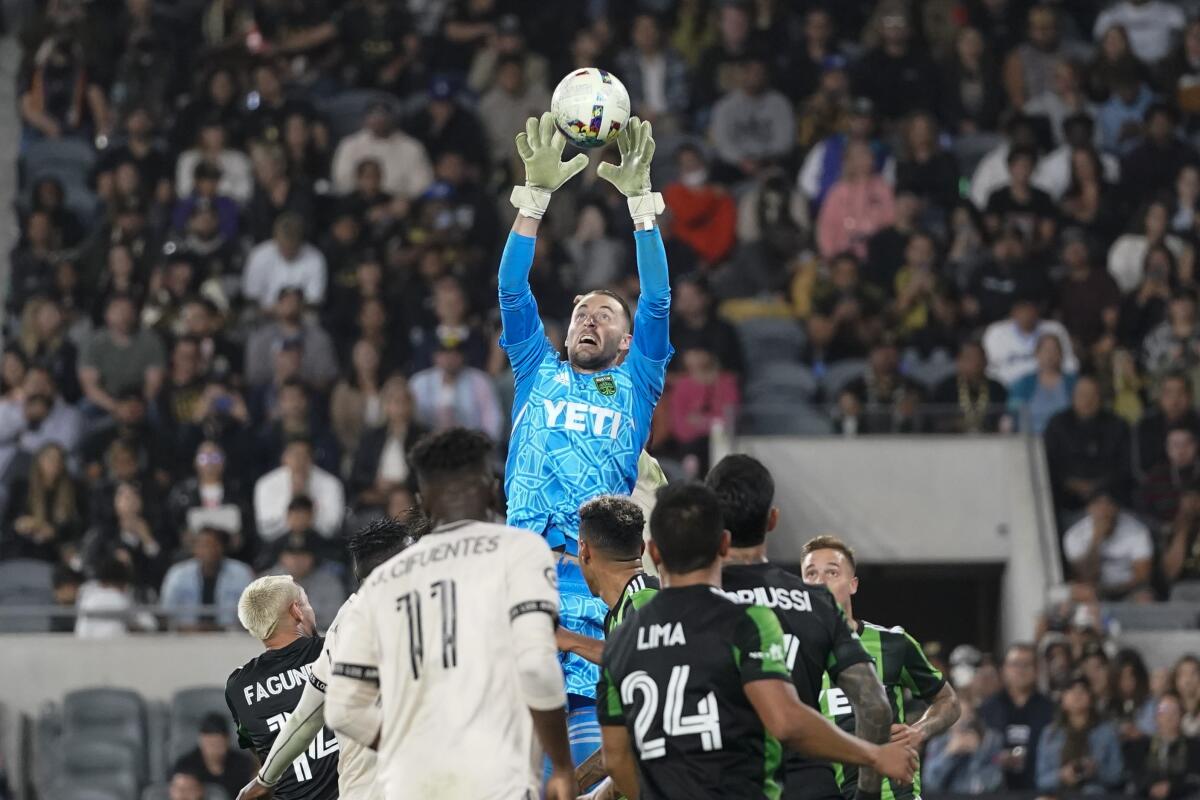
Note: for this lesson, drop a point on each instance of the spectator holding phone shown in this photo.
(1079, 752)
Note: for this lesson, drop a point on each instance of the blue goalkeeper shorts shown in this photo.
(583, 613)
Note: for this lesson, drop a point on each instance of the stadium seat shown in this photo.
(344, 112)
(92, 761)
(783, 383)
(1154, 617)
(25, 582)
(797, 419)
(161, 791)
(115, 716)
(188, 708)
(80, 791)
(770, 340)
(158, 740)
(840, 373)
(67, 157)
(1186, 592)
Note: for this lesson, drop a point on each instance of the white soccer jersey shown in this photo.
(434, 623)
(356, 764)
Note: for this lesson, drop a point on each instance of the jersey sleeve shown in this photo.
(917, 674)
(758, 645)
(847, 649)
(608, 700)
(321, 670)
(351, 705)
(532, 576)
(651, 348)
(524, 336)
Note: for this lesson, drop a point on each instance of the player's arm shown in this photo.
(532, 591)
(583, 646)
(767, 683)
(632, 179)
(619, 760)
(591, 770)
(352, 697)
(872, 714)
(925, 681)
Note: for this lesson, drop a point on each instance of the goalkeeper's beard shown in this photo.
(593, 358)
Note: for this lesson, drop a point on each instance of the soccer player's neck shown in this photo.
(281, 639)
(708, 576)
(747, 555)
(615, 578)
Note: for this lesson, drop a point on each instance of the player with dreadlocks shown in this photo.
(369, 548)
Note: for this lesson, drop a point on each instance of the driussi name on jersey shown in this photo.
(772, 597)
(277, 684)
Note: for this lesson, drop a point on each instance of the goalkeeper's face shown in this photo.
(599, 333)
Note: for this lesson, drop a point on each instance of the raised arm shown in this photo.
(632, 179)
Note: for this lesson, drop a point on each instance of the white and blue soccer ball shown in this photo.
(590, 106)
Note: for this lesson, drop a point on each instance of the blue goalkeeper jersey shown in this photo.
(577, 436)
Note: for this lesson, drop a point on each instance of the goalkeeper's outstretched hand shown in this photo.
(636, 143)
(540, 146)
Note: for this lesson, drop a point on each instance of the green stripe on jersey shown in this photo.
(772, 757)
(613, 696)
(770, 640)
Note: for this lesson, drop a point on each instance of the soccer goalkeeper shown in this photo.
(580, 425)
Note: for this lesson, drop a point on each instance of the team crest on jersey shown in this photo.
(606, 385)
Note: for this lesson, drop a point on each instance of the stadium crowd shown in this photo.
(257, 260)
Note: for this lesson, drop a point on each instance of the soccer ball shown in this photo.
(590, 106)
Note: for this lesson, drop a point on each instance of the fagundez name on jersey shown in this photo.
(263, 692)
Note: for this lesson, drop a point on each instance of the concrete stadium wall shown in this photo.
(923, 500)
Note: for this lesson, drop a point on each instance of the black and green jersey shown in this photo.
(818, 641)
(902, 667)
(637, 592)
(673, 675)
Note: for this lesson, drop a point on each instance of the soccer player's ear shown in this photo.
(726, 543)
(854, 585)
(626, 341)
(655, 555)
(772, 518)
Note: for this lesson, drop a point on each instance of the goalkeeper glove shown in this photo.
(540, 146)
(632, 176)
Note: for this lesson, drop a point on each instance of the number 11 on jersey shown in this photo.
(445, 591)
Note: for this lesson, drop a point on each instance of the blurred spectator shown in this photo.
(898, 76)
(1161, 490)
(32, 260)
(205, 193)
(992, 171)
(822, 166)
(124, 522)
(105, 604)
(1019, 713)
(1128, 257)
(1064, 99)
(285, 261)
(407, 169)
(971, 94)
(858, 206)
(210, 497)
(512, 99)
(298, 475)
(293, 416)
(1119, 119)
(451, 394)
(1181, 555)
(60, 98)
(34, 417)
(924, 168)
(451, 324)
(1046, 391)
(703, 215)
(215, 99)
(381, 460)
(44, 341)
(1087, 297)
(1029, 69)
(357, 400)
(694, 323)
(230, 168)
(276, 193)
(1114, 63)
(1174, 345)
(319, 366)
(213, 760)
(508, 43)
(1166, 766)
(1152, 25)
(445, 125)
(1087, 448)
(887, 396)
(130, 427)
(752, 126)
(1011, 344)
(716, 73)
(45, 512)
(1179, 72)
(1110, 550)
(298, 558)
(968, 401)
(917, 283)
(844, 313)
(701, 396)
(120, 358)
(1131, 703)
(140, 148)
(185, 786)
(655, 75)
(66, 583)
(208, 578)
(1021, 205)
(1057, 172)
(1185, 683)
(1149, 169)
(1079, 751)
(965, 759)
